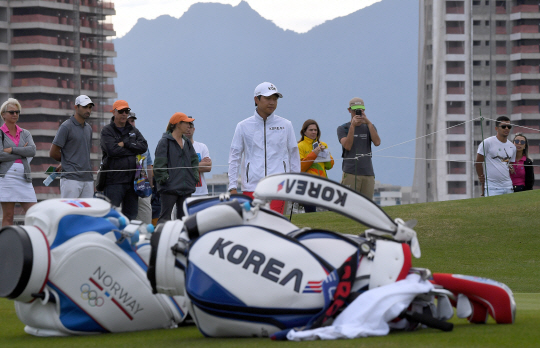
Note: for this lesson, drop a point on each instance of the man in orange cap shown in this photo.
(121, 143)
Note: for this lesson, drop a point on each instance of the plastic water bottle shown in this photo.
(50, 178)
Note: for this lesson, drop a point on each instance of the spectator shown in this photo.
(267, 143)
(145, 206)
(314, 155)
(496, 153)
(356, 138)
(205, 163)
(521, 171)
(71, 147)
(17, 147)
(121, 143)
(176, 166)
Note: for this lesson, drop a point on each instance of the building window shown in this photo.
(476, 23)
(456, 167)
(487, 62)
(455, 127)
(477, 83)
(476, 63)
(487, 23)
(477, 103)
(487, 83)
(455, 107)
(476, 3)
(487, 102)
(477, 43)
(455, 148)
(457, 187)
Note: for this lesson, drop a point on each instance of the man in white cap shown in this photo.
(267, 143)
(71, 147)
(356, 138)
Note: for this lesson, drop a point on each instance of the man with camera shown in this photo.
(356, 137)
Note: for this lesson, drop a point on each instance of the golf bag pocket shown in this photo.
(247, 281)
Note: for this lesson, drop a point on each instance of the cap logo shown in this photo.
(272, 88)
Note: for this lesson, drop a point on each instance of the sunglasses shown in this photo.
(14, 112)
(505, 126)
(520, 142)
(124, 111)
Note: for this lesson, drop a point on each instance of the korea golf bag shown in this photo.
(73, 268)
(249, 272)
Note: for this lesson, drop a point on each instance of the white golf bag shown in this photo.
(249, 272)
(74, 268)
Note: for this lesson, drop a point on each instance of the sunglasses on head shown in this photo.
(124, 111)
(13, 112)
(520, 142)
(505, 126)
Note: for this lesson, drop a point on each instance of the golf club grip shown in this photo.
(428, 320)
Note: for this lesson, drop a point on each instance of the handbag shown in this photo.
(101, 175)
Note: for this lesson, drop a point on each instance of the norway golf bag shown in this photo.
(250, 272)
(75, 268)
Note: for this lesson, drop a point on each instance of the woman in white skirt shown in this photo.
(18, 148)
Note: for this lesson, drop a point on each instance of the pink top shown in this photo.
(14, 138)
(519, 177)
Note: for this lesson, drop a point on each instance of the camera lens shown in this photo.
(358, 111)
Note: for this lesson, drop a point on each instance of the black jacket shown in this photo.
(168, 155)
(117, 157)
(529, 174)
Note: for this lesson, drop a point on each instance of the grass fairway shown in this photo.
(495, 237)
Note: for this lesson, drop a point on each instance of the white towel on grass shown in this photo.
(369, 313)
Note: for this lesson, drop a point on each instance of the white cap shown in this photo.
(83, 100)
(267, 89)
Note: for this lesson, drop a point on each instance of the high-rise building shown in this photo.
(476, 58)
(51, 52)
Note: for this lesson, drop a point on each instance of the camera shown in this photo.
(358, 112)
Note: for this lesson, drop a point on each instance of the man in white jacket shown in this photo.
(266, 141)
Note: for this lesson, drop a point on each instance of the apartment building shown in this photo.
(476, 58)
(51, 52)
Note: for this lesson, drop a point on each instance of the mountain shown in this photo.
(208, 62)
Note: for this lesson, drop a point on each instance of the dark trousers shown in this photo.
(125, 195)
(168, 200)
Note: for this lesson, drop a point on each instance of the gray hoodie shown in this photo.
(18, 152)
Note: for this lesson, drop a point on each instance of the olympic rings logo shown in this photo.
(91, 296)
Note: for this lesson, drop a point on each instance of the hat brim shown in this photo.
(268, 95)
(81, 104)
(355, 107)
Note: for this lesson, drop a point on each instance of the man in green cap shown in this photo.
(356, 137)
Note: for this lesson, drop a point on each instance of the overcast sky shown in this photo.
(296, 15)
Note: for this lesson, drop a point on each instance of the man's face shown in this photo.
(121, 115)
(84, 111)
(267, 105)
(190, 131)
(504, 129)
(131, 121)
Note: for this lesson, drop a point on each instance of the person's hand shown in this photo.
(233, 192)
(8, 149)
(356, 121)
(205, 160)
(59, 168)
(511, 169)
(481, 179)
(121, 144)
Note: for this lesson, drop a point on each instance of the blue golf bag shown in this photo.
(76, 267)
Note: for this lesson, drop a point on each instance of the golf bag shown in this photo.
(249, 272)
(74, 268)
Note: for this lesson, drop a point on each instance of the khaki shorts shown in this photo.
(363, 184)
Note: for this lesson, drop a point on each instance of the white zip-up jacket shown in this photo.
(269, 147)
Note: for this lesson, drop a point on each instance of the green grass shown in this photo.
(495, 237)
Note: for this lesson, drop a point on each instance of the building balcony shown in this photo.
(455, 70)
(526, 69)
(455, 110)
(455, 10)
(525, 8)
(500, 10)
(501, 90)
(525, 109)
(455, 50)
(525, 29)
(455, 30)
(502, 110)
(525, 89)
(455, 90)
(500, 50)
(526, 49)
(500, 31)
(501, 70)
(52, 40)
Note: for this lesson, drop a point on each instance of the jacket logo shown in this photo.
(316, 191)
(239, 254)
(276, 128)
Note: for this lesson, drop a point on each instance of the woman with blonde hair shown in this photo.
(521, 171)
(18, 148)
(314, 155)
